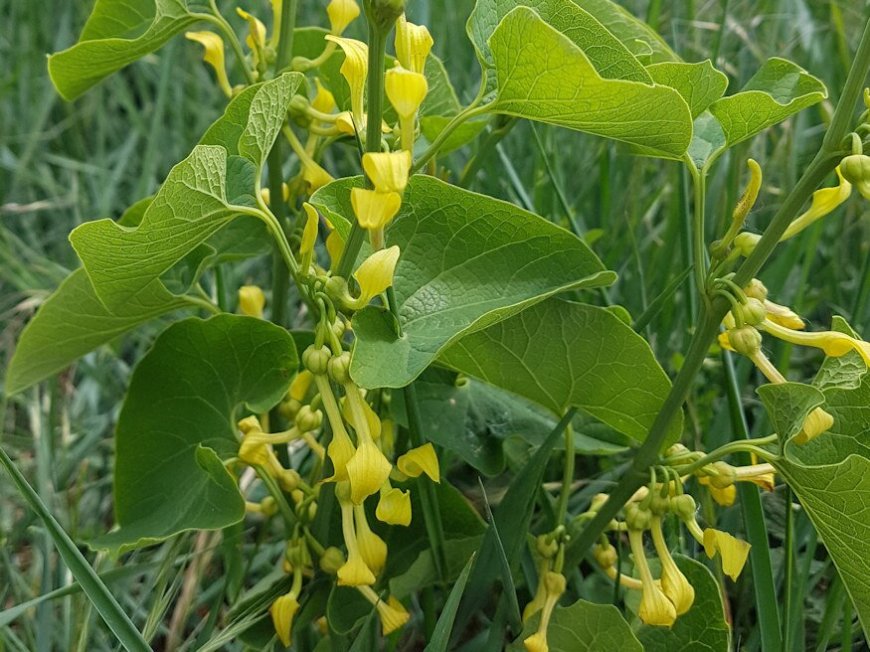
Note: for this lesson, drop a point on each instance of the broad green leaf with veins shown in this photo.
(643, 41)
(542, 75)
(583, 627)
(562, 354)
(73, 322)
(117, 33)
(831, 474)
(467, 261)
(778, 90)
(700, 84)
(202, 194)
(178, 424)
(605, 52)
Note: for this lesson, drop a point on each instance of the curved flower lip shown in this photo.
(413, 44)
(282, 611)
(367, 471)
(373, 209)
(388, 171)
(375, 274)
(214, 56)
(417, 461)
(394, 507)
(406, 90)
(733, 552)
(354, 70)
(341, 13)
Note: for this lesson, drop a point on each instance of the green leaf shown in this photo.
(117, 33)
(440, 638)
(423, 572)
(104, 602)
(583, 627)
(787, 405)
(467, 261)
(433, 125)
(708, 140)
(700, 84)
(542, 75)
(201, 195)
(779, 89)
(703, 627)
(178, 423)
(512, 518)
(73, 322)
(641, 39)
(606, 53)
(831, 474)
(562, 354)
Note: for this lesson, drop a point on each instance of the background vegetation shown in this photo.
(62, 164)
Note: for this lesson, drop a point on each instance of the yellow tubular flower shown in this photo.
(341, 14)
(759, 474)
(256, 39)
(392, 614)
(367, 471)
(833, 343)
(314, 175)
(354, 70)
(373, 209)
(674, 583)
(375, 274)
(554, 584)
(388, 171)
(413, 44)
(817, 422)
(783, 315)
(282, 611)
(324, 100)
(276, 22)
(251, 301)
(371, 546)
(214, 56)
(406, 91)
(417, 461)
(655, 607)
(256, 449)
(724, 496)
(341, 448)
(299, 386)
(733, 553)
(394, 506)
(354, 572)
(372, 421)
(824, 201)
(334, 247)
(309, 233)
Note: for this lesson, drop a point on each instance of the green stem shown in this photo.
(503, 125)
(463, 116)
(699, 254)
(822, 165)
(755, 526)
(285, 35)
(788, 562)
(280, 269)
(221, 23)
(567, 476)
(375, 111)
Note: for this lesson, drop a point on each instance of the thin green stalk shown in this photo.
(374, 112)
(503, 125)
(91, 584)
(567, 476)
(788, 563)
(280, 270)
(699, 254)
(755, 526)
(285, 35)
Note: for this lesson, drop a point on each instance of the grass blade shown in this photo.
(443, 628)
(104, 602)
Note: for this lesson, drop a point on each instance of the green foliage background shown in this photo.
(62, 164)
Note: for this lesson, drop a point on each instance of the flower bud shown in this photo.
(546, 546)
(856, 170)
(723, 475)
(637, 518)
(251, 301)
(308, 419)
(316, 360)
(754, 311)
(683, 506)
(383, 13)
(338, 368)
(755, 289)
(331, 560)
(745, 340)
(605, 555)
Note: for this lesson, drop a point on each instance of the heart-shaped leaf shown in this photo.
(178, 424)
(700, 84)
(117, 33)
(467, 261)
(562, 354)
(202, 194)
(542, 75)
